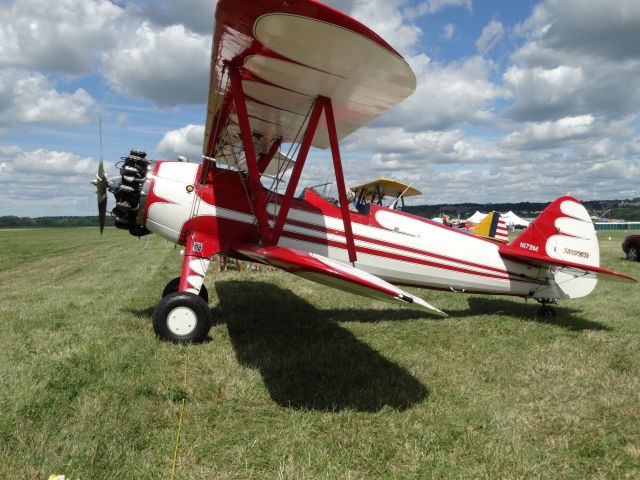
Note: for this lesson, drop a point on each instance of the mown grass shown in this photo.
(300, 381)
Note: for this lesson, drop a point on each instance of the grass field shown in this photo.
(300, 381)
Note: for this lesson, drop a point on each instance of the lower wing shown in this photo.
(332, 273)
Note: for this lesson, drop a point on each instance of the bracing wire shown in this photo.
(294, 147)
(195, 204)
(218, 108)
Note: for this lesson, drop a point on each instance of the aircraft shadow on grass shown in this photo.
(306, 359)
(566, 317)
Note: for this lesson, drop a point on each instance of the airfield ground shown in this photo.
(300, 381)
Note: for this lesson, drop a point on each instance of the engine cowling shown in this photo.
(172, 199)
(154, 196)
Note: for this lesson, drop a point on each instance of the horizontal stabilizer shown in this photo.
(334, 274)
(572, 268)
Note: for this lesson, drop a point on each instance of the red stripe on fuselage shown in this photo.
(393, 256)
(383, 243)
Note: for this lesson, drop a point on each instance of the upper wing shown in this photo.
(289, 52)
(334, 274)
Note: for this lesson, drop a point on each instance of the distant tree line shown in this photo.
(619, 209)
(67, 221)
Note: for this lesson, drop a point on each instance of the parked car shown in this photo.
(631, 246)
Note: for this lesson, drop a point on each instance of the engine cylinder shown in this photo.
(130, 191)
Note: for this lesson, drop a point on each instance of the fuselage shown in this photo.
(398, 247)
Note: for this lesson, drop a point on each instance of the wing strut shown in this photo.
(297, 169)
(255, 187)
(255, 167)
(337, 166)
(322, 103)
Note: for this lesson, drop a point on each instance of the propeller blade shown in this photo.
(101, 183)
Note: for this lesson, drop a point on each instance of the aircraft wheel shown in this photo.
(546, 311)
(173, 285)
(182, 317)
(632, 254)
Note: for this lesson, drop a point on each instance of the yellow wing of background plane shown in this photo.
(387, 188)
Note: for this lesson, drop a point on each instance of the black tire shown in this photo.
(546, 311)
(632, 253)
(173, 285)
(182, 317)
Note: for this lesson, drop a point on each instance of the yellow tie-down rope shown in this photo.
(185, 358)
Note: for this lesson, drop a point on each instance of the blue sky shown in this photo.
(516, 100)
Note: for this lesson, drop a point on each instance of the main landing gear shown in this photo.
(173, 285)
(182, 317)
(545, 310)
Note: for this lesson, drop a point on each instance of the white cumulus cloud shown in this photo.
(448, 29)
(384, 18)
(491, 35)
(447, 95)
(185, 141)
(27, 98)
(195, 15)
(61, 36)
(544, 93)
(47, 181)
(428, 7)
(167, 66)
(580, 57)
(549, 134)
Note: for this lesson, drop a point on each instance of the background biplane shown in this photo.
(377, 190)
(299, 73)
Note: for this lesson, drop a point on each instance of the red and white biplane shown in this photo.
(297, 72)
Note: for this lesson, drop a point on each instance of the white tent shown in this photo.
(476, 217)
(511, 218)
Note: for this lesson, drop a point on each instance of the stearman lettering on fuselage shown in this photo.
(576, 253)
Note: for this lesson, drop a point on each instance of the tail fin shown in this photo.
(564, 232)
(492, 226)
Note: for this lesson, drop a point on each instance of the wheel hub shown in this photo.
(182, 321)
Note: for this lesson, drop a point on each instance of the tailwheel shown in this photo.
(182, 317)
(173, 285)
